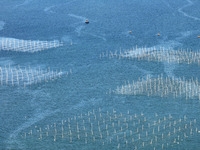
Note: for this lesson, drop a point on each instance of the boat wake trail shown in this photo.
(169, 69)
(48, 9)
(78, 17)
(167, 4)
(144, 71)
(97, 36)
(78, 29)
(2, 23)
(12, 138)
(32, 121)
(24, 3)
(190, 3)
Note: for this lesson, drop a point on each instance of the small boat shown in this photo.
(198, 36)
(86, 21)
(158, 34)
(130, 32)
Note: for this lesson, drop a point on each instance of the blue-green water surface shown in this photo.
(21, 109)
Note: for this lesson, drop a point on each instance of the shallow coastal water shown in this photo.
(87, 78)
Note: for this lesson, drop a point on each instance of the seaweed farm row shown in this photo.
(11, 44)
(155, 54)
(161, 87)
(26, 76)
(115, 130)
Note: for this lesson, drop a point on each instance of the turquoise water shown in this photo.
(21, 109)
